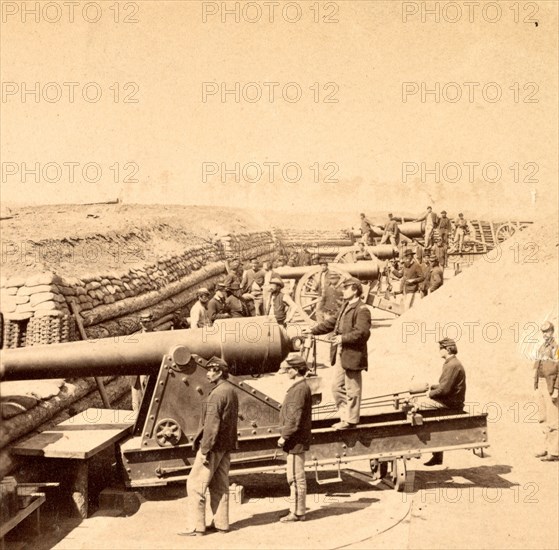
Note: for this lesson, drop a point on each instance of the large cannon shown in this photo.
(310, 293)
(161, 446)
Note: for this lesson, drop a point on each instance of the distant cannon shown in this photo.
(314, 299)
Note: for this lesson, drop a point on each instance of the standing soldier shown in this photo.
(439, 251)
(234, 304)
(199, 316)
(249, 275)
(139, 383)
(215, 440)
(460, 232)
(216, 306)
(431, 221)
(444, 227)
(351, 330)
(279, 304)
(391, 231)
(366, 230)
(411, 275)
(436, 276)
(546, 384)
(295, 425)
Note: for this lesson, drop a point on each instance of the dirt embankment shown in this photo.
(493, 310)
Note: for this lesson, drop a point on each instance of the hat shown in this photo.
(220, 285)
(295, 361)
(234, 286)
(277, 280)
(446, 342)
(217, 362)
(409, 252)
(547, 326)
(146, 317)
(202, 290)
(353, 281)
(443, 212)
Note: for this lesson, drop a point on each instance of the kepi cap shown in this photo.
(202, 290)
(547, 326)
(446, 342)
(295, 361)
(217, 362)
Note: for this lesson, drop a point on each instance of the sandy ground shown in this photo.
(508, 499)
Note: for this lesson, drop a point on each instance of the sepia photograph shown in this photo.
(279, 274)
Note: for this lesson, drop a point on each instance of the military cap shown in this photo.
(220, 285)
(217, 362)
(277, 280)
(146, 316)
(295, 361)
(443, 212)
(353, 281)
(234, 286)
(547, 326)
(446, 342)
(409, 252)
(202, 290)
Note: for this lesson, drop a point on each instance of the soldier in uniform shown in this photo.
(215, 440)
(295, 426)
(366, 229)
(431, 221)
(460, 232)
(351, 330)
(279, 304)
(234, 304)
(199, 316)
(412, 276)
(450, 392)
(546, 384)
(444, 227)
(216, 306)
(391, 231)
(436, 277)
(138, 383)
(439, 251)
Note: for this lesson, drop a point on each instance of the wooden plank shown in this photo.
(79, 437)
(7, 526)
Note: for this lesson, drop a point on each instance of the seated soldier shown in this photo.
(450, 392)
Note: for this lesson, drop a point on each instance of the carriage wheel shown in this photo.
(504, 232)
(306, 294)
(345, 257)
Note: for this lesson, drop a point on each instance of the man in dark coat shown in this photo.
(450, 392)
(216, 439)
(217, 308)
(351, 328)
(295, 425)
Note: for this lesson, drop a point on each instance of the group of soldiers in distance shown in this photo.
(257, 289)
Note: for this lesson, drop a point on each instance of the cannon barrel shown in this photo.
(368, 270)
(247, 344)
(412, 229)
